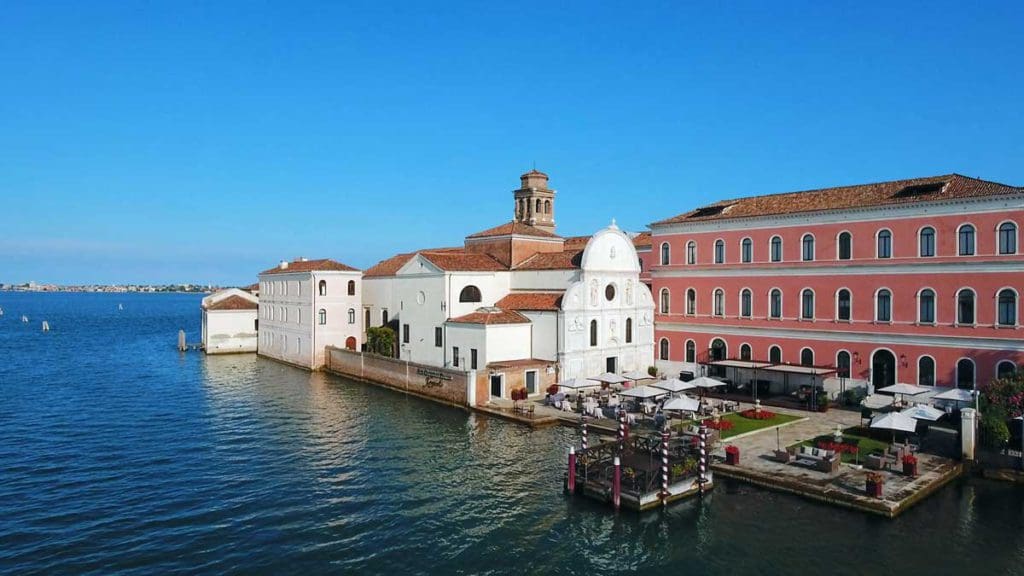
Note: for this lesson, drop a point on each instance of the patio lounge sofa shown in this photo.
(816, 458)
(693, 430)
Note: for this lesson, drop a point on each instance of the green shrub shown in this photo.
(994, 432)
(652, 371)
(380, 340)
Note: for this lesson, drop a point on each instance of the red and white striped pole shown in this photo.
(617, 483)
(571, 482)
(664, 468)
(703, 461)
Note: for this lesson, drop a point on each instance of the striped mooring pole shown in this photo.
(617, 483)
(622, 428)
(703, 462)
(664, 468)
(583, 433)
(570, 484)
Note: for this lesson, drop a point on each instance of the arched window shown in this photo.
(845, 246)
(775, 355)
(322, 288)
(663, 349)
(807, 248)
(351, 315)
(629, 330)
(719, 350)
(691, 351)
(843, 364)
(691, 252)
(843, 305)
(775, 249)
(1007, 307)
(470, 294)
(883, 306)
(351, 287)
(745, 352)
(926, 306)
(664, 297)
(926, 371)
(746, 251)
(965, 240)
(322, 317)
(926, 242)
(1007, 238)
(719, 303)
(746, 302)
(1005, 369)
(807, 304)
(884, 244)
(665, 250)
(691, 301)
(965, 306)
(537, 209)
(719, 251)
(547, 206)
(593, 332)
(775, 303)
(965, 373)
(609, 292)
(807, 357)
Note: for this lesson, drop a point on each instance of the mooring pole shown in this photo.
(664, 468)
(181, 340)
(571, 483)
(622, 428)
(617, 483)
(583, 433)
(703, 462)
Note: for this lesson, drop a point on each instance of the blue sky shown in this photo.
(160, 142)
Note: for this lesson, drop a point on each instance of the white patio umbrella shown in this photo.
(895, 421)
(706, 382)
(683, 403)
(577, 384)
(957, 395)
(643, 392)
(637, 375)
(923, 412)
(673, 385)
(609, 378)
(903, 389)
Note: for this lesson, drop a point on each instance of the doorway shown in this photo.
(531, 382)
(497, 385)
(883, 369)
(611, 364)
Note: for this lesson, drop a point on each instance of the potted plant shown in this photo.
(553, 389)
(873, 484)
(910, 465)
(732, 455)
(823, 401)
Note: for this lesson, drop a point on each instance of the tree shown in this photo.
(1000, 400)
(380, 340)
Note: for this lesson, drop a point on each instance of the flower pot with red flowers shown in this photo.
(732, 455)
(910, 465)
(873, 484)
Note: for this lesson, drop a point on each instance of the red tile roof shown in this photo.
(391, 265)
(537, 301)
(252, 287)
(576, 242)
(642, 240)
(948, 187)
(321, 265)
(464, 261)
(517, 228)
(565, 260)
(233, 302)
(491, 316)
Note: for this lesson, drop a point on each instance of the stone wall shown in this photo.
(440, 384)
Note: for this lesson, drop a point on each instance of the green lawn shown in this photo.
(741, 425)
(850, 436)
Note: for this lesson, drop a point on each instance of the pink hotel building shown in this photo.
(913, 281)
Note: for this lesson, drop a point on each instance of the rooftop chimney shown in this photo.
(283, 265)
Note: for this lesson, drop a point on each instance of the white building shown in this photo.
(306, 305)
(519, 304)
(230, 322)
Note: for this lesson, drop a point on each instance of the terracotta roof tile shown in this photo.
(491, 316)
(514, 227)
(464, 261)
(948, 187)
(565, 260)
(233, 302)
(576, 242)
(537, 301)
(642, 240)
(321, 265)
(391, 265)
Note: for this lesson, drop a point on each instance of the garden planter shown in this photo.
(732, 455)
(910, 468)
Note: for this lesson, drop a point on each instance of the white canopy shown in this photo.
(877, 401)
(673, 385)
(923, 412)
(958, 394)
(894, 421)
(907, 389)
(637, 375)
(576, 384)
(643, 392)
(609, 378)
(705, 382)
(684, 403)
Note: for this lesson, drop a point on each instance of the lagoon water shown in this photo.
(120, 455)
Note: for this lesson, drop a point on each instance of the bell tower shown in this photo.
(535, 202)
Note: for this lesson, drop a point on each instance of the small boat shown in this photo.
(46, 326)
(24, 318)
(120, 307)
(1, 311)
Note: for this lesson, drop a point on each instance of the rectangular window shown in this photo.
(384, 317)
(531, 382)
(472, 358)
(438, 337)
(455, 356)
(405, 333)
(367, 319)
